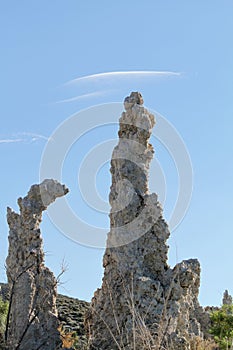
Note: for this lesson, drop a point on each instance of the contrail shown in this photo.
(139, 73)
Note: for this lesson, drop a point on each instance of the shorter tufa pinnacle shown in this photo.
(227, 298)
(32, 322)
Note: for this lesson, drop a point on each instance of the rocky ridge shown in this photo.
(71, 314)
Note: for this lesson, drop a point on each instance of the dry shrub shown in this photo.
(198, 343)
(68, 338)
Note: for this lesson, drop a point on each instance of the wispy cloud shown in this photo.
(34, 137)
(102, 84)
(24, 137)
(10, 140)
(80, 97)
(125, 74)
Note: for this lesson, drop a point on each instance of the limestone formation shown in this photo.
(143, 303)
(32, 322)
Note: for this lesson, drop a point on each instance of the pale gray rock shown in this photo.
(33, 319)
(143, 303)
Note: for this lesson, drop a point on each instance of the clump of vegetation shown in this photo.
(69, 338)
(71, 313)
(222, 327)
(198, 343)
(4, 305)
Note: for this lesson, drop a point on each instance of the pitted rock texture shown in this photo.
(33, 319)
(142, 303)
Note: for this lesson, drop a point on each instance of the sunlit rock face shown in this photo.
(142, 301)
(33, 319)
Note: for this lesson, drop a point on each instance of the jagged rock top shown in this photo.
(136, 122)
(24, 237)
(40, 196)
(134, 98)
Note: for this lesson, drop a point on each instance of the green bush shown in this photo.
(222, 327)
(3, 316)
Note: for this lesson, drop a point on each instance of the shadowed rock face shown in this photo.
(142, 301)
(33, 317)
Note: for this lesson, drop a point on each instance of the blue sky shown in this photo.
(45, 44)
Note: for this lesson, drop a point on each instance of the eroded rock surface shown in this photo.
(33, 319)
(142, 303)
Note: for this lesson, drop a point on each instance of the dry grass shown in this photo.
(200, 344)
(140, 336)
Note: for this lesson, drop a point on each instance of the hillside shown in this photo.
(71, 312)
